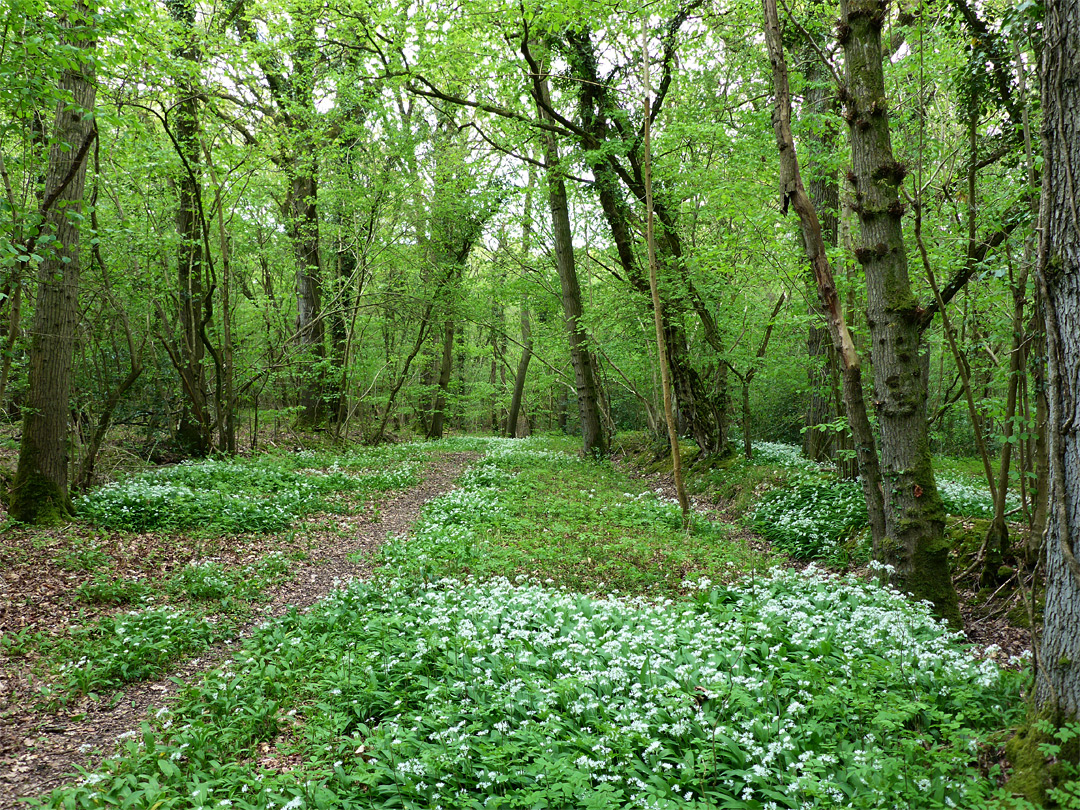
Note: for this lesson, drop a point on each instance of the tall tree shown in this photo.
(40, 488)
(194, 426)
(1058, 686)
(914, 514)
(594, 439)
(813, 240)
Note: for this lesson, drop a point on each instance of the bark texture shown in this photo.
(40, 489)
(914, 515)
(795, 195)
(194, 428)
(594, 439)
(1059, 270)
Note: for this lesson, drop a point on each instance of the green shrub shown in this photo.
(811, 519)
(133, 646)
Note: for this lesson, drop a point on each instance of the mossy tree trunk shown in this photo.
(914, 515)
(194, 427)
(796, 196)
(40, 490)
(1058, 686)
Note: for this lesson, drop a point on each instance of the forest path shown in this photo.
(39, 750)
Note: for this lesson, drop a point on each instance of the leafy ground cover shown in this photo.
(195, 593)
(529, 510)
(268, 493)
(437, 685)
(811, 513)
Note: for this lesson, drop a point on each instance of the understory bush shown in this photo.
(131, 646)
(811, 519)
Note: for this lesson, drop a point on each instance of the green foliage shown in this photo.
(201, 581)
(961, 497)
(799, 689)
(529, 510)
(115, 650)
(811, 514)
(209, 580)
(265, 494)
(83, 554)
(19, 643)
(108, 590)
(812, 519)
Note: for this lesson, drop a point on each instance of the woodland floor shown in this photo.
(40, 749)
(986, 621)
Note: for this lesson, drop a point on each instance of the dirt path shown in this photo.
(39, 750)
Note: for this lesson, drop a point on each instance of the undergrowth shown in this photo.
(265, 494)
(811, 513)
(421, 690)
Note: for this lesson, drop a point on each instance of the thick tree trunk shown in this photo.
(795, 195)
(193, 430)
(1058, 688)
(310, 331)
(40, 490)
(914, 515)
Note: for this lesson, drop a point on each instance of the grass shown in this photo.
(440, 684)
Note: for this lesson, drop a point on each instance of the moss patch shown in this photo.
(1035, 775)
(39, 501)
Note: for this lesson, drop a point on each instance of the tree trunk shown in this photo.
(594, 439)
(823, 188)
(39, 493)
(522, 372)
(193, 430)
(697, 404)
(996, 544)
(1058, 688)
(1037, 385)
(795, 195)
(310, 331)
(438, 411)
(914, 515)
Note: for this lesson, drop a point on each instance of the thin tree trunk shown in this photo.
(594, 439)
(996, 544)
(522, 371)
(658, 320)
(438, 414)
(823, 188)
